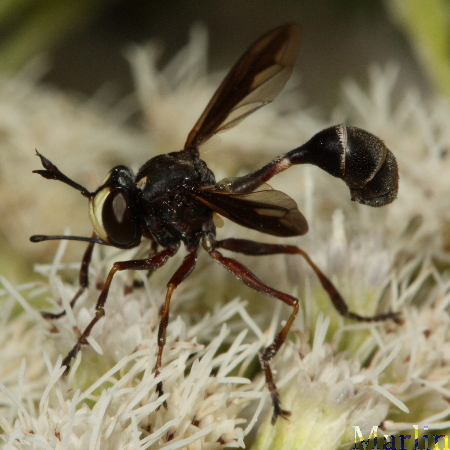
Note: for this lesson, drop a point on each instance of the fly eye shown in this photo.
(111, 214)
(117, 218)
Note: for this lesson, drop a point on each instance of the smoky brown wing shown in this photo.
(268, 211)
(255, 80)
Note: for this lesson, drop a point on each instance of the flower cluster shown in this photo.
(333, 374)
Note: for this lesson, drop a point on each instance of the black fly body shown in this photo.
(172, 198)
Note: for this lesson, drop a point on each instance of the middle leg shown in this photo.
(187, 266)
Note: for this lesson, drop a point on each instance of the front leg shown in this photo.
(83, 280)
(151, 263)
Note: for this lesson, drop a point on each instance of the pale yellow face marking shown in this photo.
(95, 213)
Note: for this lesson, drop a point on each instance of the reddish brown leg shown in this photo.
(242, 273)
(247, 277)
(258, 249)
(187, 266)
(153, 262)
(83, 280)
(139, 283)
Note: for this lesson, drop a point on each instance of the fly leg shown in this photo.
(134, 283)
(153, 262)
(247, 277)
(187, 266)
(259, 249)
(83, 280)
(242, 273)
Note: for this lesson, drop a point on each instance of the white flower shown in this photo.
(205, 395)
(332, 374)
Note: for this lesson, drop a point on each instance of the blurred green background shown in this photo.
(84, 40)
(83, 44)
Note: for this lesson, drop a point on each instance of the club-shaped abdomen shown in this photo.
(361, 159)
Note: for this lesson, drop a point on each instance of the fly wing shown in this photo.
(268, 211)
(255, 80)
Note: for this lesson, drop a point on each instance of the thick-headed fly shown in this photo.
(172, 198)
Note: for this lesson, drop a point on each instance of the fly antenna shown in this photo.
(43, 237)
(51, 172)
